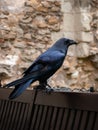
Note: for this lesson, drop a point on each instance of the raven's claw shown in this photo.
(48, 90)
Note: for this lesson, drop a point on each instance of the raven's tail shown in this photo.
(21, 84)
(20, 88)
(20, 81)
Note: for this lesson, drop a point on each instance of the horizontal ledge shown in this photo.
(72, 100)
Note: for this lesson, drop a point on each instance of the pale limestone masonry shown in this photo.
(29, 27)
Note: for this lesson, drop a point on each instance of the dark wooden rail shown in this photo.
(37, 110)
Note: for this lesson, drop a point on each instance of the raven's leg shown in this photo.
(49, 89)
(43, 86)
(48, 85)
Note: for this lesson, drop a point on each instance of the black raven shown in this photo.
(43, 67)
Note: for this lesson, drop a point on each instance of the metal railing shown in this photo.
(37, 110)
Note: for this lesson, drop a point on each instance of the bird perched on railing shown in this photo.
(42, 68)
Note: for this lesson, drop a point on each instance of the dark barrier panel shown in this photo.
(15, 114)
(65, 111)
(37, 110)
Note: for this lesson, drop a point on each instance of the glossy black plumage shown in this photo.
(43, 67)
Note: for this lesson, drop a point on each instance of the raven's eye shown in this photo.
(66, 41)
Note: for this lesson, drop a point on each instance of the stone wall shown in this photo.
(28, 28)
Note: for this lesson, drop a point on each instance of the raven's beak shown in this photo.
(73, 42)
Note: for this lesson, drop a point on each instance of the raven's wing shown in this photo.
(50, 57)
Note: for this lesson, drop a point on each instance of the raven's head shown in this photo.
(68, 42)
(64, 43)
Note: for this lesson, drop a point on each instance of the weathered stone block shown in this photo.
(75, 74)
(42, 8)
(85, 36)
(85, 21)
(82, 22)
(52, 19)
(94, 60)
(70, 35)
(83, 50)
(40, 22)
(13, 6)
(28, 36)
(66, 7)
(68, 22)
(72, 51)
(28, 20)
(5, 71)
(56, 35)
